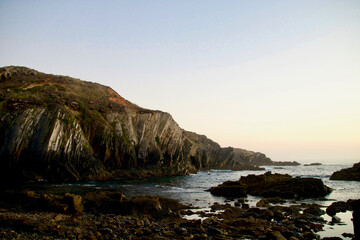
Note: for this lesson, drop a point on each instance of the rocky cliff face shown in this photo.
(59, 128)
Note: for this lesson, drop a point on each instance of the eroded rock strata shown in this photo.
(59, 128)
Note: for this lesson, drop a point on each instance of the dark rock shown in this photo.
(293, 163)
(104, 202)
(75, 203)
(232, 212)
(335, 219)
(262, 203)
(217, 206)
(69, 203)
(348, 174)
(355, 205)
(115, 202)
(272, 185)
(313, 164)
(276, 235)
(181, 231)
(276, 200)
(314, 209)
(284, 186)
(348, 235)
(245, 206)
(336, 207)
(229, 189)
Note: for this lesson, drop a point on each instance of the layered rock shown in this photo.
(348, 174)
(59, 128)
(272, 185)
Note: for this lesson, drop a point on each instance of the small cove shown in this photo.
(191, 190)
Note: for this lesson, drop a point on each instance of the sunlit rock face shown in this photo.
(62, 129)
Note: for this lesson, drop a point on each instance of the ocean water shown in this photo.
(191, 189)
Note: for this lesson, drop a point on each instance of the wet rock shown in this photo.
(335, 219)
(336, 207)
(229, 189)
(355, 205)
(348, 235)
(245, 206)
(272, 185)
(104, 202)
(187, 212)
(217, 206)
(181, 231)
(259, 213)
(232, 212)
(69, 203)
(311, 235)
(276, 235)
(75, 203)
(276, 200)
(293, 238)
(314, 209)
(115, 202)
(348, 174)
(263, 203)
(284, 186)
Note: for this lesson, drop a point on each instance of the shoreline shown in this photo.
(289, 219)
(221, 221)
(214, 220)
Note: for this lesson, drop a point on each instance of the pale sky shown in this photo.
(278, 77)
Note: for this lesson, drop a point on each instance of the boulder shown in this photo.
(347, 174)
(272, 185)
(229, 189)
(284, 186)
(336, 207)
(103, 202)
(314, 209)
(115, 203)
(68, 203)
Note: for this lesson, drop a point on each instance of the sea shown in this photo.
(191, 189)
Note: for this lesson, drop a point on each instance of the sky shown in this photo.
(278, 77)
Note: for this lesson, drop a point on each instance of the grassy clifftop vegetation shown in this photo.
(20, 85)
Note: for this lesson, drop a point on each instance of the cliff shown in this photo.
(63, 129)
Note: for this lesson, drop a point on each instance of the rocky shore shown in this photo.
(36, 213)
(110, 215)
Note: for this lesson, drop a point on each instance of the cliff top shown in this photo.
(25, 85)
